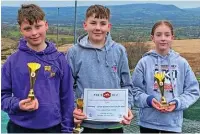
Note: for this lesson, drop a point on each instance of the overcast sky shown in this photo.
(65, 3)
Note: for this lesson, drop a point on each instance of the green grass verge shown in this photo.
(192, 112)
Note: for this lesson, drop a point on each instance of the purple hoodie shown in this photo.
(54, 93)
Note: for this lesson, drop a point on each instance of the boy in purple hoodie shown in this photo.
(51, 110)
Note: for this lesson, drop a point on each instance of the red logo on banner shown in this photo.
(106, 95)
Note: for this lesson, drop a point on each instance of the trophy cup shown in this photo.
(78, 129)
(160, 78)
(33, 68)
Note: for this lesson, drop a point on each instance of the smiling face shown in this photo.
(35, 34)
(97, 29)
(162, 36)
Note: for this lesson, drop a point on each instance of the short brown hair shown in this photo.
(31, 12)
(99, 11)
(165, 22)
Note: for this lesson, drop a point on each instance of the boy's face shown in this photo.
(162, 38)
(34, 34)
(97, 28)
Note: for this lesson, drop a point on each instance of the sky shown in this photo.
(67, 3)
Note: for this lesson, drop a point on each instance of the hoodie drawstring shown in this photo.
(97, 56)
(159, 65)
(106, 57)
(171, 77)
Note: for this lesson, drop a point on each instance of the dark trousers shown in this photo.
(148, 130)
(90, 130)
(14, 128)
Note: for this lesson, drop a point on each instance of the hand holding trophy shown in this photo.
(160, 78)
(33, 68)
(78, 128)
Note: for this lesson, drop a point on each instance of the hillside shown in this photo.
(134, 14)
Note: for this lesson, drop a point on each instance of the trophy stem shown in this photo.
(31, 94)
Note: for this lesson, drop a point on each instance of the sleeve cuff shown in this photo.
(177, 105)
(16, 105)
(149, 100)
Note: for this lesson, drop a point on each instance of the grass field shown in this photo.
(193, 113)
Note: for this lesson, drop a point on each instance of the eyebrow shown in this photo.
(27, 27)
(162, 32)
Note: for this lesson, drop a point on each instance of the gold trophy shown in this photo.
(78, 129)
(33, 68)
(160, 78)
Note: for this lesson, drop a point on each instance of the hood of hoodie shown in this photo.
(49, 49)
(168, 58)
(84, 42)
(170, 55)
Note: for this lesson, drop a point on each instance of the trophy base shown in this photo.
(163, 105)
(78, 130)
(164, 102)
(31, 97)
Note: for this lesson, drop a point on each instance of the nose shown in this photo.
(98, 26)
(34, 32)
(163, 37)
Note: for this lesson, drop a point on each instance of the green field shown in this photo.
(193, 113)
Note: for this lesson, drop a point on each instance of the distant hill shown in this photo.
(193, 9)
(137, 14)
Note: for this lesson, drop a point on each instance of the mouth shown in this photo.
(97, 33)
(34, 38)
(163, 43)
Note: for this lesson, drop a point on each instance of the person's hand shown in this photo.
(171, 107)
(28, 104)
(127, 119)
(156, 104)
(79, 116)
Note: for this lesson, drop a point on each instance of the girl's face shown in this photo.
(163, 39)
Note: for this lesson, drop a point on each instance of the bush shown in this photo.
(135, 50)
